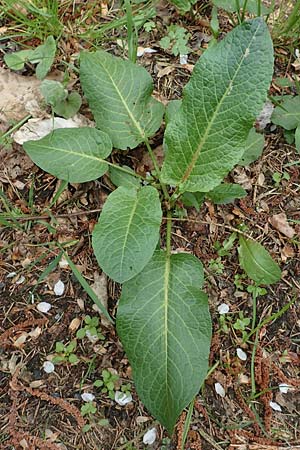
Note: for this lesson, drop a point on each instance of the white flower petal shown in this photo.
(48, 367)
(223, 308)
(44, 307)
(122, 398)
(284, 388)
(219, 389)
(87, 397)
(11, 274)
(142, 51)
(183, 59)
(20, 280)
(275, 406)
(241, 354)
(150, 436)
(59, 288)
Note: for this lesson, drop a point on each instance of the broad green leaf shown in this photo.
(289, 136)
(164, 325)
(253, 148)
(182, 5)
(233, 6)
(16, 60)
(257, 263)
(171, 109)
(120, 178)
(194, 199)
(53, 92)
(69, 107)
(44, 55)
(287, 115)
(76, 155)
(226, 193)
(206, 137)
(297, 138)
(127, 232)
(119, 95)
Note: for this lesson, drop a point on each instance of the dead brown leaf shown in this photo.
(280, 223)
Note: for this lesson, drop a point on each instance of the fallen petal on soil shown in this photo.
(44, 307)
(150, 436)
(122, 398)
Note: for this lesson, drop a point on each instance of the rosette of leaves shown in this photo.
(163, 318)
(64, 104)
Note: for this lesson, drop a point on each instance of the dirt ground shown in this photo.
(40, 410)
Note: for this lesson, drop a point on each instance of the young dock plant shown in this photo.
(163, 319)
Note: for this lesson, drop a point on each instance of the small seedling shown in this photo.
(176, 40)
(91, 329)
(241, 324)
(216, 266)
(224, 249)
(88, 408)
(279, 177)
(149, 26)
(63, 104)
(65, 353)
(108, 383)
(238, 281)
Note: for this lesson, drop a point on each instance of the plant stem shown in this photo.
(271, 318)
(244, 10)
(131, 33)
(254, 305)
(157, 171)
(252, 369)
(15, 127)
(258, 8)
(122, 169)
(237, 3)
(169, 229)
(292, 18)
(187, 423)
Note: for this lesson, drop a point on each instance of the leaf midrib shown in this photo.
(166, 326)
(134, 121)
(215, 114)
(71, 152)
(127, 232)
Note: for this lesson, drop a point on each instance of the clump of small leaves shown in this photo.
(216, 266)
(65, 353)
(176, 40)
(107, 383)
(90, 329)
(279, 177)
(241, 324)
(88, 408)
(63, 104)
